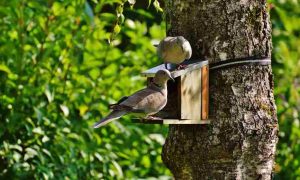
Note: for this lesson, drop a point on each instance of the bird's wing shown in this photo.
(112, 106)
(165, 46)
(147, 100)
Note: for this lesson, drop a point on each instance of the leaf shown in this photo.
(149, 3)
(17, 147)
(26, 166)
(158, 138)
(107, 17)
(99, 157)
(83, 109)
(117, 29)
(30, 153)
(121, 19)
(73, 136)
(64, 109)
(4, 68)
(146, 161)
(118, 168)
(47, 152)
(131, 2)
(94, 73)
(45, 139)
(16, 156)
(120, 9)
(66, 130)
(49, 94)
(157, 6)
(57, 8)
(38, 130)
(38, 113)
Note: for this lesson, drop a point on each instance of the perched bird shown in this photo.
(145, 102)
(174, 50)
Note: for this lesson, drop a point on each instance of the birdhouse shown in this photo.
(187, 96)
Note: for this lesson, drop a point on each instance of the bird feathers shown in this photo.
(112, 116)
(147, 101)
(174, 49)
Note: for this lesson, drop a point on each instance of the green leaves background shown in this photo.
(58, 73)
(285, 16)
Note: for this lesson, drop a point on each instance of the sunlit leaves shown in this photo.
(57, 8)
(285, 16)
(64, 109)
(30, 153)
(4, 68)
(157, 6)
(117, 29)
(119, 9)
(131, 2)
(57, 76)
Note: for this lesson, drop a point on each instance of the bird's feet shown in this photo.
(152, 118)
(181, 66)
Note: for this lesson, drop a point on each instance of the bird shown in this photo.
(145, 102)
(174, 50)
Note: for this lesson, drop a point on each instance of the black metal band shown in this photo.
(241, 61)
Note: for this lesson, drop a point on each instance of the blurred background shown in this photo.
(58, 73)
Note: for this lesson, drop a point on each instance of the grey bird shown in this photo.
(174, 50)
(145, 102)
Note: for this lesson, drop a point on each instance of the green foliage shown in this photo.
(285, 17)
(58, 74)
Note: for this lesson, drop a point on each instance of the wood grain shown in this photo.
(190, 93)
(170, 121)
(204, 92)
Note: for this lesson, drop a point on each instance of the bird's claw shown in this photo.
(181, 66)
(152, 118)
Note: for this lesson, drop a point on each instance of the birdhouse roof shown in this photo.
(191, 66)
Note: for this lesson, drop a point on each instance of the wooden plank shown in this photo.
(205, 92)
(188, 121)
(190, 91)
(171, 121)
(136, 120)
(191, 65)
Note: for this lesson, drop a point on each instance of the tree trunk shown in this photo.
(240, 142)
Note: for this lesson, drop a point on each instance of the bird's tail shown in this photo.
(112, 116)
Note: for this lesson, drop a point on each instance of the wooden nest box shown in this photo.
(187, 96)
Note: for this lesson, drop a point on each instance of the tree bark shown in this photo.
(241, 140)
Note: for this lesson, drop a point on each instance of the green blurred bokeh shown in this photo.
(285, 17)
(58, 74)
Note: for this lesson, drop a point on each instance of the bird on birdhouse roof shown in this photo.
(174, 50)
